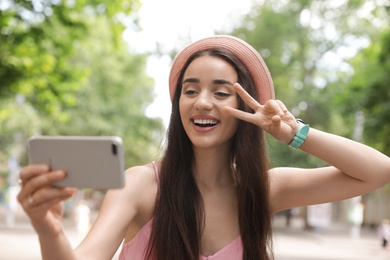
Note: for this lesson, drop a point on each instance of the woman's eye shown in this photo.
(190, 92)
(222, 94)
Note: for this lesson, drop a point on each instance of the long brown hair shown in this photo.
(179, 213)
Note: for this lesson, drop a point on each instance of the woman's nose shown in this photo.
(204, 101)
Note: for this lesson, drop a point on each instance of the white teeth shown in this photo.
(205, 121)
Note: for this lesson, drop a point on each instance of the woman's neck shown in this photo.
(212, 167)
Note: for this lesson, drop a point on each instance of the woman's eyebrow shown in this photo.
(216, 81)
(191, 80)
(222, 82)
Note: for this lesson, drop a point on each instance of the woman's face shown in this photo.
(207, 87)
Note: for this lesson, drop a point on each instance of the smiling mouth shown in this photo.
(205, 122)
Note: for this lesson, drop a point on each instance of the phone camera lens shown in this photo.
(114, 149)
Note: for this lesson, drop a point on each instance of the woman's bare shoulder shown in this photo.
(145, 172)
(140, 188)
(141, 179)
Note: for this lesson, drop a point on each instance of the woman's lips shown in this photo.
(204, 123)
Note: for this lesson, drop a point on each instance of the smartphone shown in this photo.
(95, 162)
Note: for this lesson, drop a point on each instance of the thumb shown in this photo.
(276, 121)
(276, 129)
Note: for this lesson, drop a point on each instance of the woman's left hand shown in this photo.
(272, 117)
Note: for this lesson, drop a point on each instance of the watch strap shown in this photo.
(300, 135)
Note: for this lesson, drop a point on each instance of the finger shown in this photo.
(275, 107)
(282, 106)
(276, 121)
(245, 116)
(48, 194)
(43, 207)
(31, 171)
(46, 179)
(39, 210)
(39, 181)
(248, 99)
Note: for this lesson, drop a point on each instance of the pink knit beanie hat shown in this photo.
(242, 50)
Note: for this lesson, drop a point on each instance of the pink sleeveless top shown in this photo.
(135, 249)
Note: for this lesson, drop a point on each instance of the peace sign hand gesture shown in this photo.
(272, 117)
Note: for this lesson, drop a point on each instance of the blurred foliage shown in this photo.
(114, 97)
(12, 126)
(72, 74)
(68, 60)
(38, 37)
(304, 44)
(310, 48)
(369, 91)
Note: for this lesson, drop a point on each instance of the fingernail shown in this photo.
(58, 173)
(44, 167)
(69, 190)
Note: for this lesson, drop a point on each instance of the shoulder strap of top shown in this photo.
(156, 171)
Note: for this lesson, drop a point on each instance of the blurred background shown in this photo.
(101, 68)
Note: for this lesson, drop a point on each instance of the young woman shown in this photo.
(212, 195)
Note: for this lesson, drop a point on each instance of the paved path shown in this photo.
(21, 243)
(332, 244)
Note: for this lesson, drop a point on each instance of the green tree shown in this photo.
(377, 105)
(38, 38)
(69, 62)
(368, 91)
(299, 41)
(113, 99)
(306, 45)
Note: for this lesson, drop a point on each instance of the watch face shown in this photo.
(300, 120)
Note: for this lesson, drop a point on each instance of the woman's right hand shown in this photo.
(41, 200)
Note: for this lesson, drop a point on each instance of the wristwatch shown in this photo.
(300, 135)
